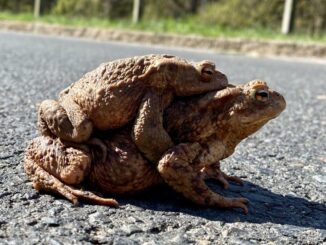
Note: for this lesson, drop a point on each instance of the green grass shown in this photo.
(187, 26)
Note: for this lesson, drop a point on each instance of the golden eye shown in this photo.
(261, 95)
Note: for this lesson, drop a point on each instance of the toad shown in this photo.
(117, 92)
(206, 129)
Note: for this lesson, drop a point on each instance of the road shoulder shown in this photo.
(266, 48)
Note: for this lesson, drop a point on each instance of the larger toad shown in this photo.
(212, 125)
(111, 96)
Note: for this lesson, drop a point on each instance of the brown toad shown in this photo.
(211, 125)
(110, 96)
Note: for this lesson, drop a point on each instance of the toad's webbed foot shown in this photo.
(213, 171)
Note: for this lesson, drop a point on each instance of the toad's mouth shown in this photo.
(260, 120)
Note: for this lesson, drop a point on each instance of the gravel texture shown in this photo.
(283, 165)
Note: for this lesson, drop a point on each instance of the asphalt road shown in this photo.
(283, 165)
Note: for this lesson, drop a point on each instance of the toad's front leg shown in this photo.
(213, 171)
(148, 133)
(180, 168)
(52, 166)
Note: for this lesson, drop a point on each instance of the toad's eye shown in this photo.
(208, 71)
(207, 74)
(261, 95)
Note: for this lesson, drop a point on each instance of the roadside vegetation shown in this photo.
(250, 19)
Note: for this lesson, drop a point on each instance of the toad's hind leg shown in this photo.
(50, 166)
(64, 120)
(42, 180)
(178, 169)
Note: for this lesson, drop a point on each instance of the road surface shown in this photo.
(283, 165)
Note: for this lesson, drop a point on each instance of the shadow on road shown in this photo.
(265, 206)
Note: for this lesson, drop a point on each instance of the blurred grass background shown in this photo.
(250, 19)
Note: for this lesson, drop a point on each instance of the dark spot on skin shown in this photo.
(205, 147)
(196, 161)
(198, 189)
(168, 56)
(173, 68)
(177, 167)
(207, 200)
(195, 185)
(80, 168)
(103, 71)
